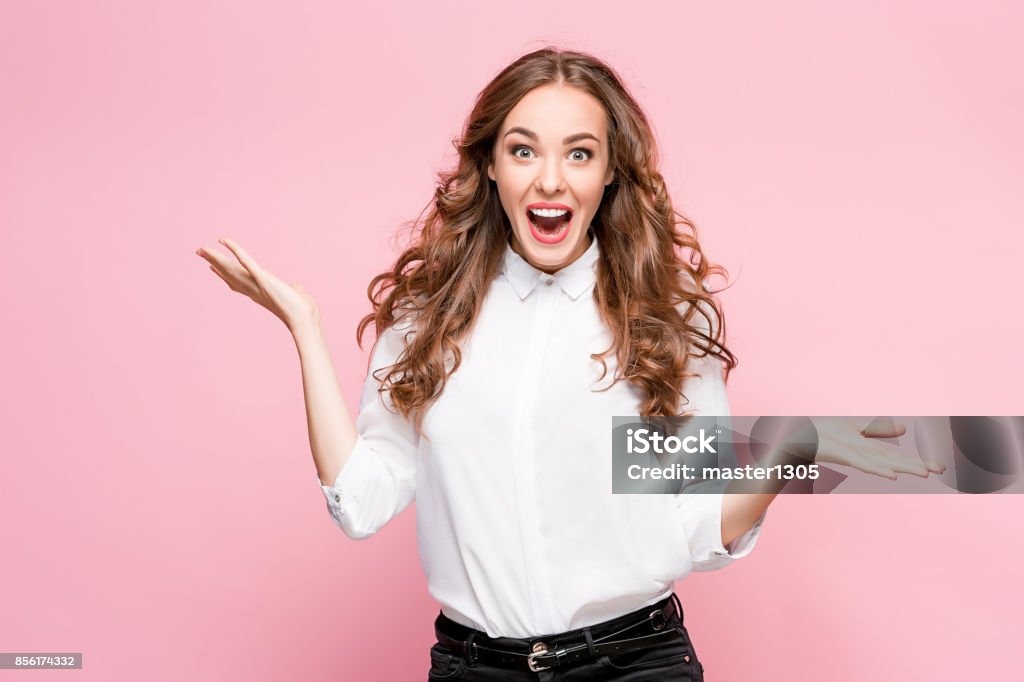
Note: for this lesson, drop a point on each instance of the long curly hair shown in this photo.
(651, 275)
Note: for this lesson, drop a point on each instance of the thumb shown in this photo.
(884, 427)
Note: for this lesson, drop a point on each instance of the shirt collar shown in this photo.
(575, 278)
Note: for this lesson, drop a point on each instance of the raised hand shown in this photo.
(847, 441)
(289, 302)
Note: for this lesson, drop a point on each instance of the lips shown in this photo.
(549, 223)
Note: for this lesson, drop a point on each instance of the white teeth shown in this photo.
(549, 212)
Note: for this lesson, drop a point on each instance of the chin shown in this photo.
(549, 256)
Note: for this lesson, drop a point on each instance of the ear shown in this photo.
(490, 170)
(609, 176)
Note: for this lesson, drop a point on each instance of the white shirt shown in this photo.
(518, 531)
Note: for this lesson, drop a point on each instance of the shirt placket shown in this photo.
(526, 465)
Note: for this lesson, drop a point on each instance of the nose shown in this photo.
(549, 180)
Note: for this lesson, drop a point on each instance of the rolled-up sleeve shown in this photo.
(699, 506)
(700, 515)
(379, 477)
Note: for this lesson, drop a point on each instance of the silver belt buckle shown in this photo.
(539, 649)
(533, 666)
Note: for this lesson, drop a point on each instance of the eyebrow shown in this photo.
(569, 140)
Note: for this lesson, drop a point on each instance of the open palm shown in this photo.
(848, 441)
(289, 302)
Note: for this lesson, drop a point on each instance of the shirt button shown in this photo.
(337, 498)
(549, 281)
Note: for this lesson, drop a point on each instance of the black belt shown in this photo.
(652, 618)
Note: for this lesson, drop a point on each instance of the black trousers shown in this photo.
(670, 661)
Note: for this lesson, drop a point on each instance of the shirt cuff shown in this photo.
(343, 494)
(701, 517)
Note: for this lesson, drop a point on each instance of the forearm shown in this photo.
(332, 432)
(747, 499)
(740, 511)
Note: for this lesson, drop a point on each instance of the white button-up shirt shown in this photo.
(518, 531)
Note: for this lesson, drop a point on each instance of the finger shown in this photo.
(871, 467)
(929, 464)
(237, 280)
(233, 284)
(209, 255)
(895, 464)
(217, 272)
(220, 260)
(247, 261)
(231, 273)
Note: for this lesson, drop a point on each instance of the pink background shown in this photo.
(857, 167)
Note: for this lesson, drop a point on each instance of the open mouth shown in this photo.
(549, 225)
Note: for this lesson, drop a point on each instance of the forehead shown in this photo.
(556, 111)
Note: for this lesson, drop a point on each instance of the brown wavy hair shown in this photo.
(643, 278)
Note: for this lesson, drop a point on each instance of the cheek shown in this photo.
(516, 177)
(591, 193)
(512, 187)
(510, 199)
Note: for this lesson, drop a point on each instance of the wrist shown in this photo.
(306, 331)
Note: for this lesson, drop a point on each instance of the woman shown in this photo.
(548, 289)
